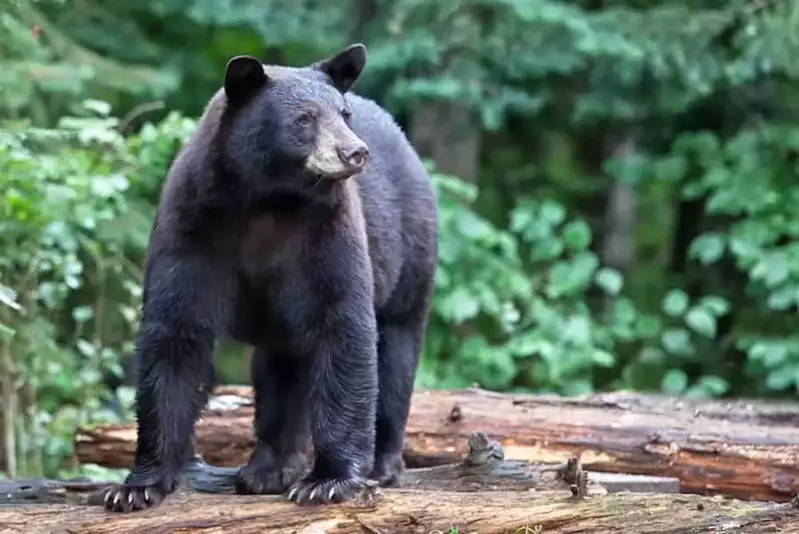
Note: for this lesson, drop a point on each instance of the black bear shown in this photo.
(299, 220)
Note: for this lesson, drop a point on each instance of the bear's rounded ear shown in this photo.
(243, 76)
(345, 67)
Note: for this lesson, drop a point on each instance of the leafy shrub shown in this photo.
(75, 222)
(511, 308)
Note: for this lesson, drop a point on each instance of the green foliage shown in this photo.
(62, 190)
(748, 188)
(45, 71)
(750, 180)
(510, 304)
(688, 108)
(70, 285)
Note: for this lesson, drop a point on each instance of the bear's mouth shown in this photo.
(345, 174)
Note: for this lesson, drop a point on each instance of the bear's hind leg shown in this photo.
(281, 426)
(399, 349)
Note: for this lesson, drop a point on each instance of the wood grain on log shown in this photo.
(747, 450)
(414, 511)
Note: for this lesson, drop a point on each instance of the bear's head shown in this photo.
(288, 128)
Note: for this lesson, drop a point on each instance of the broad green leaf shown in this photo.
(577, 235)
(783, 298)
(648, 326)
(718, 306)
(676, 341)
(674, 382)
(459, 306)
(473, 227)
(675, 303)
(603, 358)
(780, 379)
(578, 387)
(86, 348)
(775, 355)
(610, 280)
(82, 313)
(98, 106)
(652, 355)
(577, 330)
(701, 321)
(707, 248)
(552, 213)
(773, 269)
(715, 385)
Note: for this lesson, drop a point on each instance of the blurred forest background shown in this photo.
(617, 181)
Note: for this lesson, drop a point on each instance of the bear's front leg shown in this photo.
(175, 348)
(343, 395)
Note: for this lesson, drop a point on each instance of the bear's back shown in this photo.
(397, 198)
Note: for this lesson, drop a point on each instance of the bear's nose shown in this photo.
(354, 157)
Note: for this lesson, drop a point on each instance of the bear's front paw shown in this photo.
(312, 490)
(270, 477)
(141, 490)
(125, 498)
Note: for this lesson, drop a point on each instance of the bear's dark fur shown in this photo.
(298, 219)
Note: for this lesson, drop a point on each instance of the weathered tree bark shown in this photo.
(739, 449)
(415, 511)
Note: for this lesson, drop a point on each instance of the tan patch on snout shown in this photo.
(324, 160)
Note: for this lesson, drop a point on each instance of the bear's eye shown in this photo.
(305, 119)
(346, 113)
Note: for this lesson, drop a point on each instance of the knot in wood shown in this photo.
(482, 450)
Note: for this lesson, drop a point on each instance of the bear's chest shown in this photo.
(268, 256)
(270, 249)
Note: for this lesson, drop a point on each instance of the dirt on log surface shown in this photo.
(414, 511)
(746, 450)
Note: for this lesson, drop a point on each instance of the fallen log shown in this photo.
(484, 468)
(415, 511)
(740, 449)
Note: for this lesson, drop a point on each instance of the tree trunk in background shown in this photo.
(449, 134)
(604, 202)
(619, 240)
